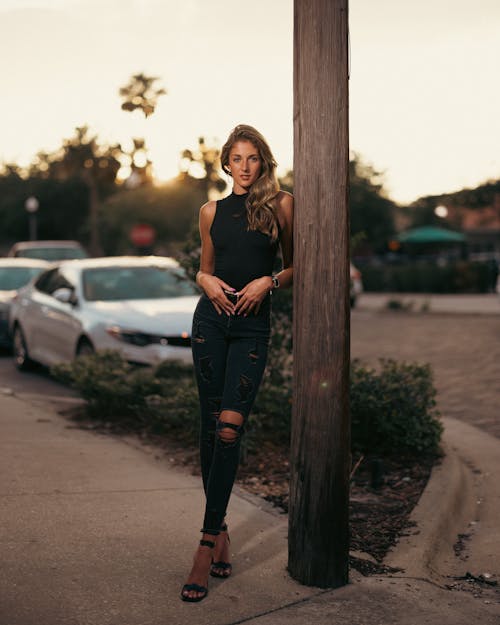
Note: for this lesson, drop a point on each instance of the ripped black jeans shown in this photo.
(229, 354)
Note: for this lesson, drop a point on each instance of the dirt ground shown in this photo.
(463, 350)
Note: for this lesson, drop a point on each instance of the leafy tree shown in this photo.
(422, 211)
(81, 156)
(97, 166)
(62, 214)
(69, 184)
(371, 211)
(140, 165)
(171, 209)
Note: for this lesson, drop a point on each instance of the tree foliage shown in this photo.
(371, 211)
(205, 163)
(421, 212)
(171, 209)
(66, 182)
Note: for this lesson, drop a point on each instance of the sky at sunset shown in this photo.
(424, 91)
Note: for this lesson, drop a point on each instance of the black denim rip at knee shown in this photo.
(245, 387)
(226, 439)
(206, 368)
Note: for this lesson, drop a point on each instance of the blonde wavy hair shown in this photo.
(261, 213)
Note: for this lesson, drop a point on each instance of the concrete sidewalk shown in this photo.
(98, 531)
(480, 304)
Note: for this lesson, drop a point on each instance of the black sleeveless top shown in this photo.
(241, 255)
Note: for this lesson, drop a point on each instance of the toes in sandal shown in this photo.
(226, 567)
(197, 587)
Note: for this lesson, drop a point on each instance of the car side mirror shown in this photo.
(65, 295)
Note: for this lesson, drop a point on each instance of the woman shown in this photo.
(240, 236)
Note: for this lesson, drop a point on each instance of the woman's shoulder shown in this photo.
(284, 202)
(284, 209)
(283, 198)
(208, 209)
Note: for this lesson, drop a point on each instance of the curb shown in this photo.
(444, 510)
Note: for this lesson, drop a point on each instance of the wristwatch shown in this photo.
(276, 282)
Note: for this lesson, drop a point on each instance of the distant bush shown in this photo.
(427, 277)
(393, 411)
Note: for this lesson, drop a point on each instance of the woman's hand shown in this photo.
(252, 295)
(214, 289)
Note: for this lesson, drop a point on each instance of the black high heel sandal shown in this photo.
(197, 587)
(227, 567)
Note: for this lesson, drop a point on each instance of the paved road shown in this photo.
(463, 349)
(30, 384)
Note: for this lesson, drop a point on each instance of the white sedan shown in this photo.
(141, 306)
(14, 274)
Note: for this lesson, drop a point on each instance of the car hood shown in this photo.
(155, 316)
(6, 296)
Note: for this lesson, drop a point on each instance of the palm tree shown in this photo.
(141, 94)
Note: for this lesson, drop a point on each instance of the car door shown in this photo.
(55, 326)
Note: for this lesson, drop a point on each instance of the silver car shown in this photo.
(14, 274)
(47, 250)
(141, 306)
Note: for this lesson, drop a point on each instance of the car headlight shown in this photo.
(141, 339)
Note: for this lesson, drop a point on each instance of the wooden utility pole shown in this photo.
(320, 446)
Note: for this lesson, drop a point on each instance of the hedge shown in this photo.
(393, 408)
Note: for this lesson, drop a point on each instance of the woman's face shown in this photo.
(245, 164)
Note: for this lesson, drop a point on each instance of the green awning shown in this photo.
(430, 234)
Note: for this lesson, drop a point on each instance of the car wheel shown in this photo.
(21, 356)
(85, 348)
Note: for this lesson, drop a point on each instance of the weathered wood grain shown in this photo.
(320, 446)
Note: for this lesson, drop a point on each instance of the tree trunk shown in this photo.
(320, 446)
(95, 248)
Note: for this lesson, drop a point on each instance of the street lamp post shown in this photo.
(31, 205)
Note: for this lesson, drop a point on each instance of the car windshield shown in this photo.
(12, 278)
(52, 253)
(124, 283)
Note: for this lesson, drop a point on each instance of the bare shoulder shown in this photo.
(207, 213)
(284, 200)
(208, 209)
(284, 208)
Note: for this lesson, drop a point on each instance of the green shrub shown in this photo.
(393, 411)
(428, 277)
(159, 399)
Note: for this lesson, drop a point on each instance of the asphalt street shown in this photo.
(463, 350)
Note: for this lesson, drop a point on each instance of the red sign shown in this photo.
(142, 235)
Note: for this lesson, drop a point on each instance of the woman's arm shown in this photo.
(285, 216)
(213, 286)
(252, 295)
